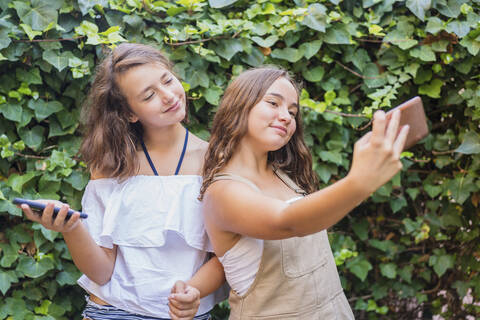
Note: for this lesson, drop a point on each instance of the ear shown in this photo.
(132, 118)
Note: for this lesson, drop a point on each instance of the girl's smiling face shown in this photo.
(271, 122)
(155, 96)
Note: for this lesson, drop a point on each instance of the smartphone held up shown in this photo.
(412, 114)
(38, 207)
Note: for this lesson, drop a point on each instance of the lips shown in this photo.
(280, 128)
(174, 107)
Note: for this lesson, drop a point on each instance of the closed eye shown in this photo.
(273, 103)
(149, 96)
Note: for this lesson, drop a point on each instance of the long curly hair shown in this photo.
(230, 125)
(110, 140)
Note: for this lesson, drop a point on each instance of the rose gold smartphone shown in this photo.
(412, 114)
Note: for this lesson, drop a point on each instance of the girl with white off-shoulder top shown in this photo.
(143, 250)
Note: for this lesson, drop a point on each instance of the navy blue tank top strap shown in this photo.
(179, 164)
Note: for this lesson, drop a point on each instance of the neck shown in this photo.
(249, 161)
(164, 138)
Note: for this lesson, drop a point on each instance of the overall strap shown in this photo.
(229, 176)
(289, 182)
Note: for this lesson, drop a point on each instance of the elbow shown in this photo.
(285, 228)
(100, 278)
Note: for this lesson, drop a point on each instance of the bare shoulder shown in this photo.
(95, 175)
(195, 156)
(224, 195)
(198, 145)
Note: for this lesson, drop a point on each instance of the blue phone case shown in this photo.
(41, 206)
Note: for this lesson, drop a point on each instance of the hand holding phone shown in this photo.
(413, 114)
(38, 207)
(58, 218)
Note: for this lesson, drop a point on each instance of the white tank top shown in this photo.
(242, 261)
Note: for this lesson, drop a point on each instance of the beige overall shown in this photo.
(297, 278)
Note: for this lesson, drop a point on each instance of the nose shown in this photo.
(284, 115)
(166, 95)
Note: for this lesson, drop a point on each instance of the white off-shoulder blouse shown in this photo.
(158, 227)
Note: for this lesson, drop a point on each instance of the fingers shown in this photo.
(365, 139)
(180, 317)
(178, 287)
(188, 297)
(47, 214)
(59, 220)
(378, 128)
(29, 213)
(400, 141)
(392, 128)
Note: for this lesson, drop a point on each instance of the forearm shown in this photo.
(208, 278)
(324, 208)
(94, 261)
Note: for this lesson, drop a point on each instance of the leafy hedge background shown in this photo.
(411, 251)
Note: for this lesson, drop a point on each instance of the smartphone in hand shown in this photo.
(413, 114)
(39, 207)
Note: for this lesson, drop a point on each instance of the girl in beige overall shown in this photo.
(264, 216)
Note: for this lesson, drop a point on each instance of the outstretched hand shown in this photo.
(60, 223)
(376, 156)
(184, 301)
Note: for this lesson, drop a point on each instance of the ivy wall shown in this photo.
(412, 250)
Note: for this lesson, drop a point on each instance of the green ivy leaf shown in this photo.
(33, 137)
(424, 53)
(313, 75)
(460, 28)
(228, 48)
(451, 9)
(12, 111)
(434, 25)
(316, 17)
(86, 5)
(337, 35)
(9, 254)
(221, 3)
(419, 7)
(288, 54)
(441, 263)
(34, 269)
(30, 76)
(388, 270)
(310, 48)
(38, 14)
(267, 42)
(59, 61)
(470, 144)
(6, 279)
(30, 33)
(472, 45)
(360, 267)
(77, 180)
(431, 89)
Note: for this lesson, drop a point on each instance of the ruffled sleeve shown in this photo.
(94, 202)
(141, 211)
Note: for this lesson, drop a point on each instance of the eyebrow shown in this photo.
(278, 95)
(162, 78)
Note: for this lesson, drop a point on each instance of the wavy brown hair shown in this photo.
(110, 140)
(230, 126)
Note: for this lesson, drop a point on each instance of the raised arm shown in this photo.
(94, 261)
(235, 207)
